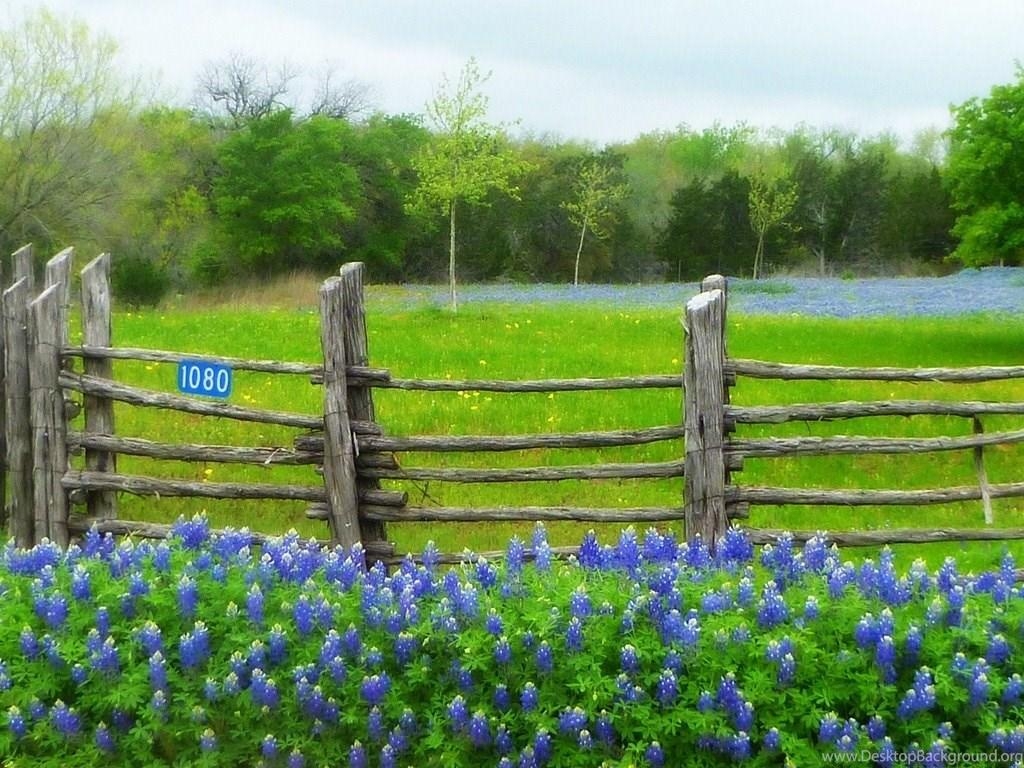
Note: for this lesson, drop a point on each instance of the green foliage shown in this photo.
(598, 193)
(467, 158)
(284, 191)
(203, 652)
(63, 109)
(985, 174)
(138, 281)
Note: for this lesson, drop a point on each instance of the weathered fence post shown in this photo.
(24, 267)
(99, 411)
(339, 442)
(3, 418)
(17, 427)
(359, 398)
(704, 418)
(49, 426)
(979, 468)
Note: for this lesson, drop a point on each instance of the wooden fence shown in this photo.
(714, 451)
(52, 494)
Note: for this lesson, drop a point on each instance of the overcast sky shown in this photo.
(606, 71)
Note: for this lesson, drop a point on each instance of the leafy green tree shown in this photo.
(771, 199)
(985, 173)
(467, 158)
(284, 192)
(597, 193)
(63, 108)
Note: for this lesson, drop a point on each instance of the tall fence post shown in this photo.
(24, 267)
(704, 418)
(49, 428)
(339, 443)
(99, 411)
(17, 426)
(359, 398)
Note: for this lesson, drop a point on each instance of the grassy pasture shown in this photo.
(524, 341)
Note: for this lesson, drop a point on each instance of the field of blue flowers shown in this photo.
(991, 289)
(201, 651)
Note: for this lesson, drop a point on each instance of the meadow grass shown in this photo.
(520, 341)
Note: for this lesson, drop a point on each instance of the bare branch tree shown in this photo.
(344, 99)
(241, 88)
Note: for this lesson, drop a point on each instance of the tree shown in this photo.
(985, 173)
(285, 192)
(467, 158)
(240, 88)
(63, 107)
(597, 193)
(772, 198)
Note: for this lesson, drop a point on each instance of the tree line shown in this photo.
(246, 182)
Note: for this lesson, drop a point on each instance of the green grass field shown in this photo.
(520, 341)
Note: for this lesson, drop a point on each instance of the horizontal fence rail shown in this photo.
(779, 414)
(857, 497)
(818, 446)
(655, 381)
(759, 369)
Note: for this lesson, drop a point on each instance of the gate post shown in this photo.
(339, 442)
(704, 418)
(359, 398)
(17, 426)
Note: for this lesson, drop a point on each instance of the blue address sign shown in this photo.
(198, 377)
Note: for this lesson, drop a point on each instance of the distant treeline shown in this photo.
(245, 184)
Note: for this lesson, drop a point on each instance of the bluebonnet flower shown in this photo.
(885, 658)
(192, 533)
(296, 759)
(502, 650)
(158, 672)
(978, 688)
(398, 740)
(105, 659)
(772, 740)
(544, 657)
(81, 583)
(104, 739)
(655, 755)
(159, 704)
(351, 643)
(667, 688)
(502, 699)
(188, 596)
(254, 605)
(493, 623)
(590, 551)
(150, 638)
(16, 722)
(572, 721)
(194, 646)
(528, 698)
(771, 608)
(208, 740)
(375, 725)
(574, 635)
(29, 644)
(542, 746)
(479, 730)
(579, 603)
(628, 659)
(735, 548)
(876, 728)
(998, 650)
(919, 698)
(269, 746)
(406, 646)
(486, 574)
(1014, 689)
(458, 714)
(277, 645)
(264, 690)
(304, 615)
(374, 688)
